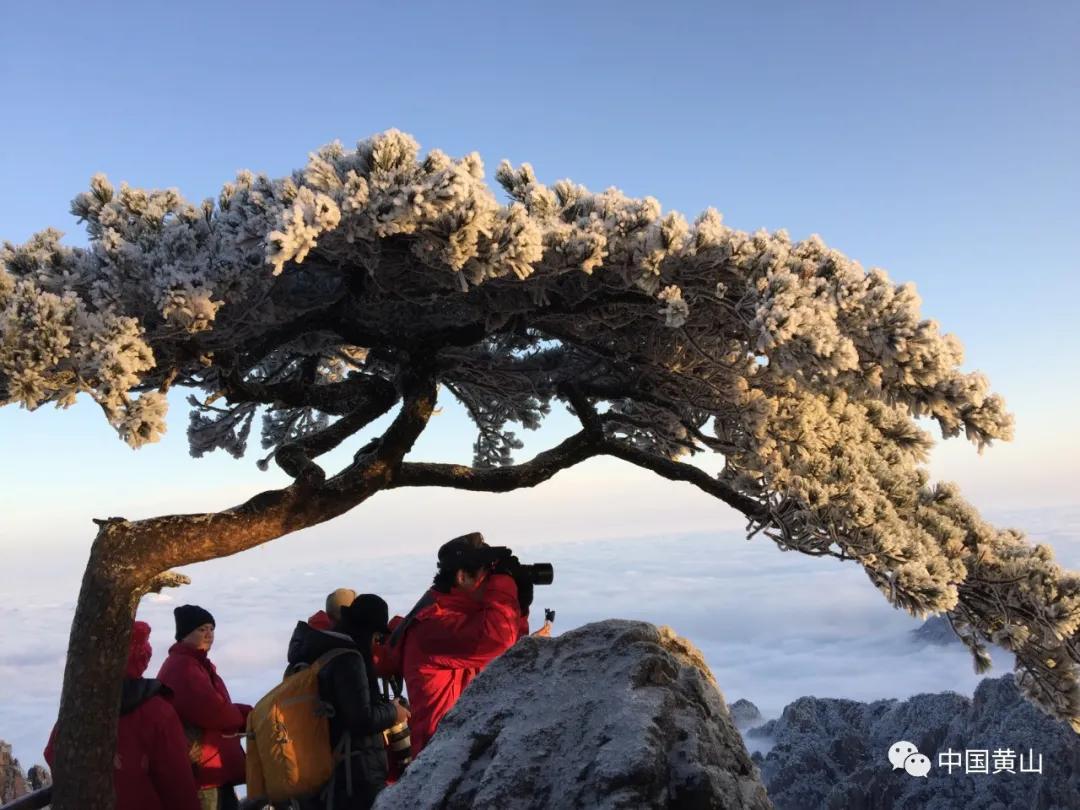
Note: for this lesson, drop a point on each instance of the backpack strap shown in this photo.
(324, 708)
(399, 631)
(327, 657)
(292, 669)
(343, 750)
(342, 753)
(348, 764)
(393, 684)
(322, 660)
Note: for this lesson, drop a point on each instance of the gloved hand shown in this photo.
(507, 564)
(401, 712)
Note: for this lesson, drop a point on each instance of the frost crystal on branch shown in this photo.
(314, 298)
(676, 310)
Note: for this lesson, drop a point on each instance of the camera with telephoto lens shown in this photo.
(398, 740)
(501, 560)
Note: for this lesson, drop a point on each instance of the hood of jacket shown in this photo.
(139, 651)
(136, 691)
(320, 620)
(308, 643)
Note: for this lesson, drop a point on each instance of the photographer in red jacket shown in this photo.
(470, 616)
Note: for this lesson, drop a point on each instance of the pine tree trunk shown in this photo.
(127, 559)
(93, 677)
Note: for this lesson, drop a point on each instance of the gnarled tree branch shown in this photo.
(571, 451)
(156, 544)
(295, 458)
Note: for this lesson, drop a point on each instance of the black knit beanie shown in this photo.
(191, 617)
(461, 552)
(367, 614)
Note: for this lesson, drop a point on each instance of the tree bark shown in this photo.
(93, 675)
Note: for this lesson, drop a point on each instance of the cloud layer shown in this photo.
(773, 626)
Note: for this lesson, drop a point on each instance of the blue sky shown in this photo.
(935, 140)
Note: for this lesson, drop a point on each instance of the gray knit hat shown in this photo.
(340, 598)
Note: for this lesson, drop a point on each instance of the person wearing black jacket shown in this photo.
(348, 684)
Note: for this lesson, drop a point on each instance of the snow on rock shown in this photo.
(615, 714)
(833, 753)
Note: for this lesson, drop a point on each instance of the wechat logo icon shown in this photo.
(904, 755)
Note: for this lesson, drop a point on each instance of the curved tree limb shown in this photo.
(185, 539)
(295, 458)
(577, 448)
(581, 446)
(333, 398)
(679, 471)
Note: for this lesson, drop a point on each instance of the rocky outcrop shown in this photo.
(830, 753)
(615, 714)
(39, 777)
(744, 713)
(936, 630)
(13, 782)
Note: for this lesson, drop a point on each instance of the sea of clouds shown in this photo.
(773, 626)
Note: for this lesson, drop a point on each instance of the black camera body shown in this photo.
(501, 560)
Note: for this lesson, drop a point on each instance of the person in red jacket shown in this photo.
(152, 770)
(210, 718)
(468, 618)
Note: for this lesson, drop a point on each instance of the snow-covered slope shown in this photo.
(615, 714)
(831, 753)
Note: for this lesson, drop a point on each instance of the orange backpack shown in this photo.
(288, 737)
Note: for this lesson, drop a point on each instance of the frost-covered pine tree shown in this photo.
(375, 279)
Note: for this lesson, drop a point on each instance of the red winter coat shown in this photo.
(448, 643)
(203, 702)
(152, 770)
(151, 766)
